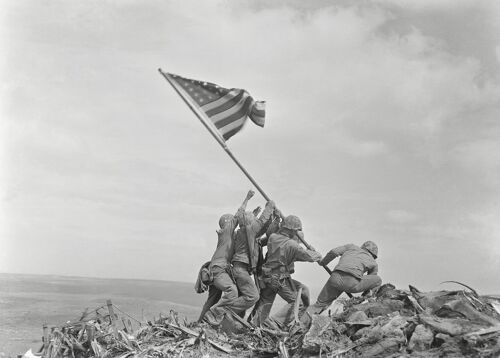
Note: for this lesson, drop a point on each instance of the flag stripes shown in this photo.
(227, 109)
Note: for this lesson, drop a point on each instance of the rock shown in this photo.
(440, 338)
(358, 318)
(389, 291)
(230, 326)
(312, 340)
(421, 339)
(381, 308)
(363, 332)
(395, 327)
(433, 300)
(336, 309)
(356, 321)
(383, 348)
(449, 326)
(461, 308)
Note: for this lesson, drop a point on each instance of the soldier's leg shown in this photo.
(305, 296)
(332, 289)
(214, 295)
(288, 292)
(225, 284)
(263, 306)
(249, 294)
(367, 282)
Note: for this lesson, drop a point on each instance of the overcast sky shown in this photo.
(383, 124)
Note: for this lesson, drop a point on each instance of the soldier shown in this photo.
(283, 249)
(220, 269)
(246, 253)
(214, 294)
(348, 274)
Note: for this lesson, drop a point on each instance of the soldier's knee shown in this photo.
(252, 297)
(377, 281)
(231, 292)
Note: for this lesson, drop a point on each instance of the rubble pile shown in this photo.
(390, 323)
(395, 323)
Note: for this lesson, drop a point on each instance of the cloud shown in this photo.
(399, 216)
(482, 158)
(375, 122)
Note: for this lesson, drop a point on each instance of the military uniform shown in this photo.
(245, 247)
(348, 275)
(282, 252)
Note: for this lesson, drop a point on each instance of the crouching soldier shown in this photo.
(220, 270)
(348, 274)
(283, 249)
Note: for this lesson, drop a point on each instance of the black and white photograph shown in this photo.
(249, 178)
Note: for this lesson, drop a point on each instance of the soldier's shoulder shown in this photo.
(274, 236)
(352, 247)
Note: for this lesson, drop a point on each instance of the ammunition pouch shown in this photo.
(274, 278)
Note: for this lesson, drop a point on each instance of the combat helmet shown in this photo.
(224, 219)
(292, 222)
(371, 247)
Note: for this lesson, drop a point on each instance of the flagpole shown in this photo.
(216, 136)
(223, 144)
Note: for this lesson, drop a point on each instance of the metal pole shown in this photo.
(217, 137)
(224, 146)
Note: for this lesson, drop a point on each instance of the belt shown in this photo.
(241, 264)
(282, 271)
(348, 274)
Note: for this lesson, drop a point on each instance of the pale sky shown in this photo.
(383, 124)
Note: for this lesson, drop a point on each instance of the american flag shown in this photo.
(227, 109)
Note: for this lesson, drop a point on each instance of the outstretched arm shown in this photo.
(333, 253)
(243, 206)
(307, 255)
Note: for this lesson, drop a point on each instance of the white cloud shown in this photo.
(399, 216)
(361, 122)
(482, 158)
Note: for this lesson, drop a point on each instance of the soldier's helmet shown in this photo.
(225, 219)
(371, 247)
(292, 222)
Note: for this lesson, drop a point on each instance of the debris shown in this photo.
(462, 284)
(312, 340)
(392, 322)
(449, 326)
(421, 339)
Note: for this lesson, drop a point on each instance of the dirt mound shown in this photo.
(391, 323)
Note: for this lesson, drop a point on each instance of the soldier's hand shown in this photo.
(250, 194)
(278, 212)
(300, 235)
(256, 211)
